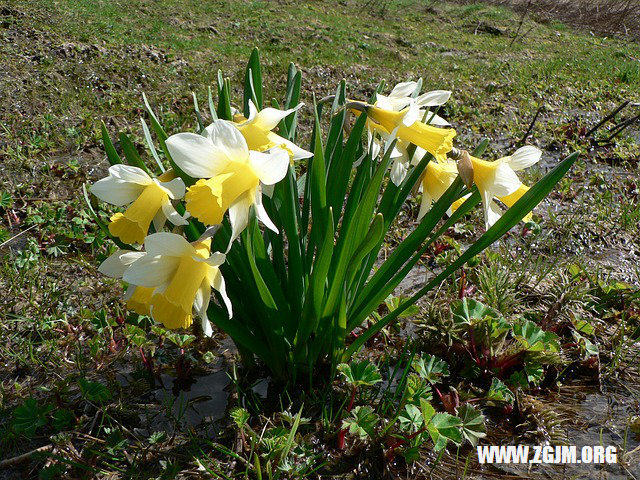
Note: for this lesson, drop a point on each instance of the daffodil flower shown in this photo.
(437, 141)
(498, 179)
(230, 174)
(401, 98)
(436, 179)
(150, 200)
(257, 131)
(178, 276)
(408, 129)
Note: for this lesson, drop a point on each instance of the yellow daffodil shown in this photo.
(171, 278)
(230, 174)
(402, 97)
(257, 131)
(498, 179)
(436, 179)
(150, 200)
(437, 141)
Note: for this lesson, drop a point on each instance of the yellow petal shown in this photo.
(139, 302)
(509, 200)
(173, 306)
(132, 226)
(437, 178)
(208, 200)
(257, 138)
(483, 173)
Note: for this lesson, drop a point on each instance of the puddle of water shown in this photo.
(205, 400)
(590, 418)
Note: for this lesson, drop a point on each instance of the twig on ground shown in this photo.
(607, 118)
(17, 235)
(617, 130)
(524, 14)
(24, 457)
(533, 122)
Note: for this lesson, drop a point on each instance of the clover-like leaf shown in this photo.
(240, 417)
(94, 391)
(361, 422)
(30, 416)
(467, 310)
(443, 428)
(394, 302)
(362, 373)
(63, 419)
(411, 418)
(473, 424)
(534, 339)
(431, 368)
(500, 393)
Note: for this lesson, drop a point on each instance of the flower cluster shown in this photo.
(232, 163)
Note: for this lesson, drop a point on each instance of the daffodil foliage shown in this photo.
(275, 243)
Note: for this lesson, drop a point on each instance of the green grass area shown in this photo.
(68, 343)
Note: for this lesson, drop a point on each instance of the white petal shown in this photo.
(268, 190)
(196, 155)
(219, 285)
(487, 198)
(269, 118)
(374, 148)
(159, 220)
(384, 102)
(417, 156)
(404, 89)
(201, 303)
(298, 153)
(425, 205)
(238, 217)
(227, 139)
(505, 182)
(168, 244)
(175, 187)
(436, 120)
(172, 214)
(270, 167)
(262, 215)
(151, 271)
(524, 157)
(216, 259)
(116, 191)
(492, 215)
(433, 98)
(412, 115)
(116, 264)
(130, 174)
(398, 171)
(253, 111)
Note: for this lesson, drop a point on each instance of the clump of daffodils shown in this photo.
(227, 168)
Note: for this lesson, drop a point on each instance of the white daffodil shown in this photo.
(498, 179)
(230, 174)
(177, 275)
(257, 130)
(150, 200)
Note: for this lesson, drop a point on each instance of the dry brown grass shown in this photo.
(620, 17)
